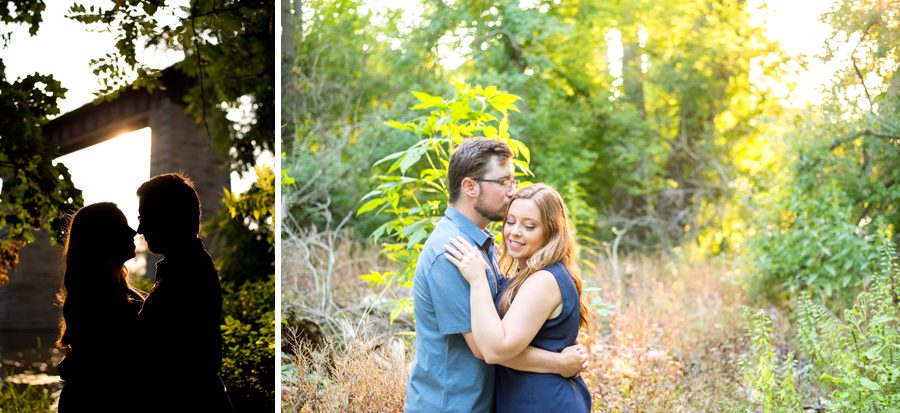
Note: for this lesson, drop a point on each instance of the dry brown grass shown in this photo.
(359, 367)
(364, 375)
(672, 345)
(674, 342)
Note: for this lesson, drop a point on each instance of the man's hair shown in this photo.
(472, 159)
(173, 195)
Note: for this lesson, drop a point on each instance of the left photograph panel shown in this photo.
(137, 205)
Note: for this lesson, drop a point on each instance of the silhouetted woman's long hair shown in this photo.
(95, 276)
(559, 246)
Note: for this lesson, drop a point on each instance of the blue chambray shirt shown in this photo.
(445, 376)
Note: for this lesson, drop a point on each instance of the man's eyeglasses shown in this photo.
(508, 183)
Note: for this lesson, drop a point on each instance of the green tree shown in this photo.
(649, 137)
(346, 81)
(859, 133)
(815, 229)
(35, 194)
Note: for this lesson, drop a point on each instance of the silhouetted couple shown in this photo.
(131, 351)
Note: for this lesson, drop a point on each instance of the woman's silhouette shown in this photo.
(97, 329)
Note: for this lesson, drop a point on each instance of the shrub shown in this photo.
(248, 338)
(812, 243)
(857, 359)
(244, 232)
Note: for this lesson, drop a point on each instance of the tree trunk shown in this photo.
(632, 76)
(289, 19)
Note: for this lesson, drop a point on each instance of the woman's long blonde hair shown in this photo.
(559, 245)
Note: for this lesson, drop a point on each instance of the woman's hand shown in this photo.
(467, 258)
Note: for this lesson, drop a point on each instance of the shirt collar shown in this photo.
(468, 228)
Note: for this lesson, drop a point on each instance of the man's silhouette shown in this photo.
(182, 314)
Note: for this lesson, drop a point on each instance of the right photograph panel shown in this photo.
(569, 206)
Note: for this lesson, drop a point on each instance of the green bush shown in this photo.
(248, 338)
(811, 243)
(245, 238)
(244, 231)
(857, 359)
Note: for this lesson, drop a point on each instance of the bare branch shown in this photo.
(867, 132)
(862, 80)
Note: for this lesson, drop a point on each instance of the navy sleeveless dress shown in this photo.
(524, 392)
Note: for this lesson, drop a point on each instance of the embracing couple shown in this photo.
(521, 311)
(131, 351)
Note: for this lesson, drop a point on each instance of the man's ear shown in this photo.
(470, 187)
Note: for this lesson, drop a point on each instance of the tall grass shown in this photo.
(673, 341)
(21, 398)
(366, 374)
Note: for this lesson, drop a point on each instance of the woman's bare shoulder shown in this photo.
(541, 279)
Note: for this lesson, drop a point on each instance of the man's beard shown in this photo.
(493, 216)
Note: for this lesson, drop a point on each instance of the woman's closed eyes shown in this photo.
(529, 227)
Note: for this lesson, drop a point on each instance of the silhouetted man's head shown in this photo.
(169, 212)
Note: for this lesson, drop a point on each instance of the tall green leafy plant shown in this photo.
(411, 186)
(772, 387)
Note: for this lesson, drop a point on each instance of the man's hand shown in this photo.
(575, 360)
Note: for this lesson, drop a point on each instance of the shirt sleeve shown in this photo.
(450, 296)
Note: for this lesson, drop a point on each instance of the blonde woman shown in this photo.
(539, 304)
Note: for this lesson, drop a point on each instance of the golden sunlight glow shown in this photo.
(112, 171)
(797, 27)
